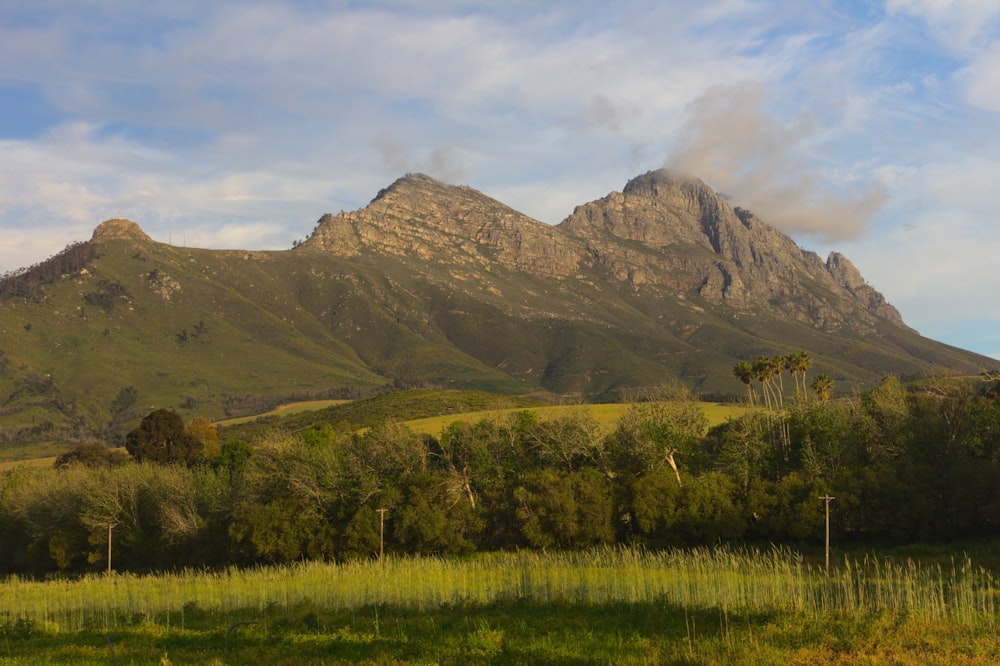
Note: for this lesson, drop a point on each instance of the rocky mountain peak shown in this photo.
(118, 229)
(423, 218)
(664, 229)
(681, 234)
(411, 184)
(673, 189)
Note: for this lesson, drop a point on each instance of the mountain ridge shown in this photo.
(433, 284)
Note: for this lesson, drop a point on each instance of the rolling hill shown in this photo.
(435, 285)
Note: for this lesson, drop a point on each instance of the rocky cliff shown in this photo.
(675, 231)
(662, 229)
(420, 217)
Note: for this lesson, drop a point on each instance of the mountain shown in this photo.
(437, 285)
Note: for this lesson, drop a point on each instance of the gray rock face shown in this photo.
(675, 231)
(447, 225)
(662, 229)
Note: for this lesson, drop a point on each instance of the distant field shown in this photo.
(30, 462)
(605, 414)
(291, 408)
(15, 454)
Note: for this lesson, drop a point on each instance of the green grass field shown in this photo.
(285, 410)
(610, 606)
(605, 414)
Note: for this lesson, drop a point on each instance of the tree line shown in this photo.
(25, 282)
(905, 464)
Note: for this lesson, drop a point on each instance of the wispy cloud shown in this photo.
(761, 163)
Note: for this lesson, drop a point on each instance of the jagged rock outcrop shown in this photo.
(678, 233)
(662, 229)
(443, 224)
(119, 229)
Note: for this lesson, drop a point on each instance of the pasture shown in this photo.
(605, 414)
(611, 605)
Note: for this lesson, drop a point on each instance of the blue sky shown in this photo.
(866, 128)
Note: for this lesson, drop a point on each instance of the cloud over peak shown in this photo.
(773, 168)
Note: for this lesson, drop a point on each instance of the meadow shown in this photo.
(604, 414)
(608, 605)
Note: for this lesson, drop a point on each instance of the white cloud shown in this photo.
(741, 150)
(933, 255)
(56, 190)
(961, 25)
(981, 79)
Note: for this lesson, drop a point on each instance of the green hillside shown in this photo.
(410, 406)
(434, 286)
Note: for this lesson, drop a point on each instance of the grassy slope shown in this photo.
(257, 339)
(605, 414)
(400, 406)
(281, 326)
(93, 352)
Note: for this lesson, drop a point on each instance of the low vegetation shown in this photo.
(396, 406)
(903, 466)
(608, 605)
(516, 535)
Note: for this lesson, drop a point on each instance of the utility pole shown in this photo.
(826, 499)
(381, 533)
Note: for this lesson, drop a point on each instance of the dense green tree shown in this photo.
(653, 435)
(741, 447)
(232, 460)
(904, 463)
(161, 437)
(824, 437)
(651, 507)
(788, 509)
(279, 531)
(361, 537)
(708, 510)
(883, 419)
(428, 521)
(43, 507)
(564, 509)
(92, 454)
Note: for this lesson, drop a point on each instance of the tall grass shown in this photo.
(734, 581)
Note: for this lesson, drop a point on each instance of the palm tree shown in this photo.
(744, 372)
(822, 385)
(775, 365)
(798, 365)
(761, 369)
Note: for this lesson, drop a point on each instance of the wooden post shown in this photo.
(381, 533)
(109, 550)
(826, 499)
